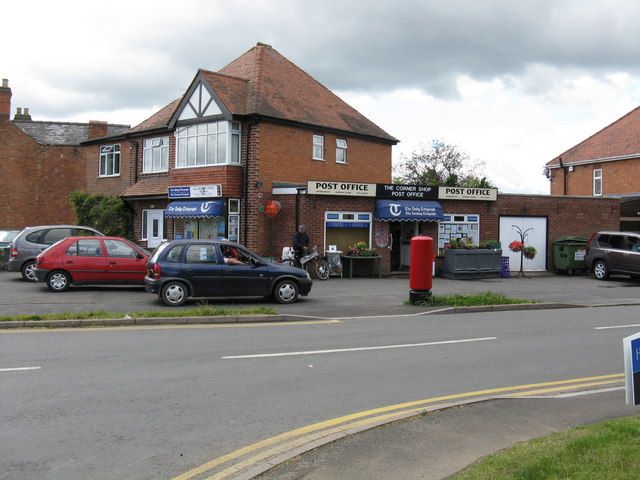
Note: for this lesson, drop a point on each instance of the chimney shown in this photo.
(21, 116)
(97, 129)
(5, 100)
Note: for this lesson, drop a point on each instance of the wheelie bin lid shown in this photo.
(571, 239)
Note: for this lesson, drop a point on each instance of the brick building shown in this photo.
(41, 164)
(605, 164)
(207, 163)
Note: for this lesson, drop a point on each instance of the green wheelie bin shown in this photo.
(568, 255)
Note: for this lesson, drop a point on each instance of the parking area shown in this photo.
(332, 298)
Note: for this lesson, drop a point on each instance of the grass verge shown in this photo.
(606, 451)
(471, 300)
(199, 311)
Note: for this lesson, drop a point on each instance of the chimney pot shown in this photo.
(5, 83)
(26, 111)
(19, 111)
(5, 100)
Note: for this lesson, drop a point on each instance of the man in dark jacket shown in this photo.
(300, 244)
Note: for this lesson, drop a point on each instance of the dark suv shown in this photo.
(614, 252)
(210, 268)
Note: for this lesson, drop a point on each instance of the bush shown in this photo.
(108, 214)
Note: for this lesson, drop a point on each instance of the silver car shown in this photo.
(32, 240)
(614, 252)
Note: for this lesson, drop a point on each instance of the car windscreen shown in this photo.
(156, 254)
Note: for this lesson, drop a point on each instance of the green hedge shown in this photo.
(105, 213)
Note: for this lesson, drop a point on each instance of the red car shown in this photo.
(91, 260)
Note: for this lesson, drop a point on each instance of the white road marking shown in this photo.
(16, 369)
(617, 326)
(359, 349)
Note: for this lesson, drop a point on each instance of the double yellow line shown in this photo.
(285, 445)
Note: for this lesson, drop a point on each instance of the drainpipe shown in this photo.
(565, 169)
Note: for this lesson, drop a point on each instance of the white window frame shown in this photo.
(144, 222)
(105, 152)
(351, 217)
(162, 144)
(318, 141)
(209, 130)
(235, 214)
(597, 176)
(341, 146)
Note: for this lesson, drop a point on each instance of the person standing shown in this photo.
(300, 244)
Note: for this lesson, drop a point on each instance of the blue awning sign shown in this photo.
(207, 208)
(405, 210)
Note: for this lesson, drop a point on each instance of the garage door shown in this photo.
(536, 237)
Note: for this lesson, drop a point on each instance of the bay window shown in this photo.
(208, 144)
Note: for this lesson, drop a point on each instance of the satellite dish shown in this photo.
(546, 172)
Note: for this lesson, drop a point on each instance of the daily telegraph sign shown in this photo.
(632, 368)
(406, 192)
(196, 191)
(345, 189)
(467, 193)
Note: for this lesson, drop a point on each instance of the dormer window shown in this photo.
(208, 144)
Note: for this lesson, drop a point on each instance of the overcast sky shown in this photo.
(511, 83)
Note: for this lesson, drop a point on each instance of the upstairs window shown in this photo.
(597, 182)
(341, 151)
(109, 161)
(318, 147)
(208, 144)
(155, 155)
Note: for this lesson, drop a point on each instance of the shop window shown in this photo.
(597, 182)
(155, 157)
(208, 144)
(318, 147)
(455, 226)
(341, 151)
(345, 229)
(109, 161)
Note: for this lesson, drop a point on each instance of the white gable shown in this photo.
(200, 104)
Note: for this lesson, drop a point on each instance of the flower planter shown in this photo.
(478, 263)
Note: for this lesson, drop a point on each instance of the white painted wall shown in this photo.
(536, 238)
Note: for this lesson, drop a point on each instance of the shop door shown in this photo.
(536, 237)
(155, 228)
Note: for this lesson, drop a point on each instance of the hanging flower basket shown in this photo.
(517, 246)
(529, 252)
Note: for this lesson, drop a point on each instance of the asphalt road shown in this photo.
(152, 403)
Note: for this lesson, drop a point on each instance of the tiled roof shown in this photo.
(148, 188)
(159, 119)
(619, 139)
(232, 91)
(62, 133)
(278, 88)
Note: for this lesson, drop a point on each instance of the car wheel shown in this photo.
(322, 269)
(600, 270)
(29, 271)
(174, 294)
(58, 281)
(286, 291)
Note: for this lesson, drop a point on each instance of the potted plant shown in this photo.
(463, 259)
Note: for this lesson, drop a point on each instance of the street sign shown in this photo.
(632, 368)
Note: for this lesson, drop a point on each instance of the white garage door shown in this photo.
(536, 237)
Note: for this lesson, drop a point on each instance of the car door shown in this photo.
(617, 253)
(202, 268)
(631, 255)
(250, 278)
(124, 263)
(85, 261)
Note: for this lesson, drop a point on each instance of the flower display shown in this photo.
(360, 249)
(516, 246)
(529, 252)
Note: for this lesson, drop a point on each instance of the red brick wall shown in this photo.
(35, 180)
(621, 176)
(108, 185)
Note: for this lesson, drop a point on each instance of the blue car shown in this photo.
(217, 268)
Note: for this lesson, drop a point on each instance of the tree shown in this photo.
(107, 214)
(441, 164)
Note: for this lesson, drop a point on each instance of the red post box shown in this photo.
(420, 269)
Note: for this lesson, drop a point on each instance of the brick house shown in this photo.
(42, 163)
(258, 129)
(604, 165)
